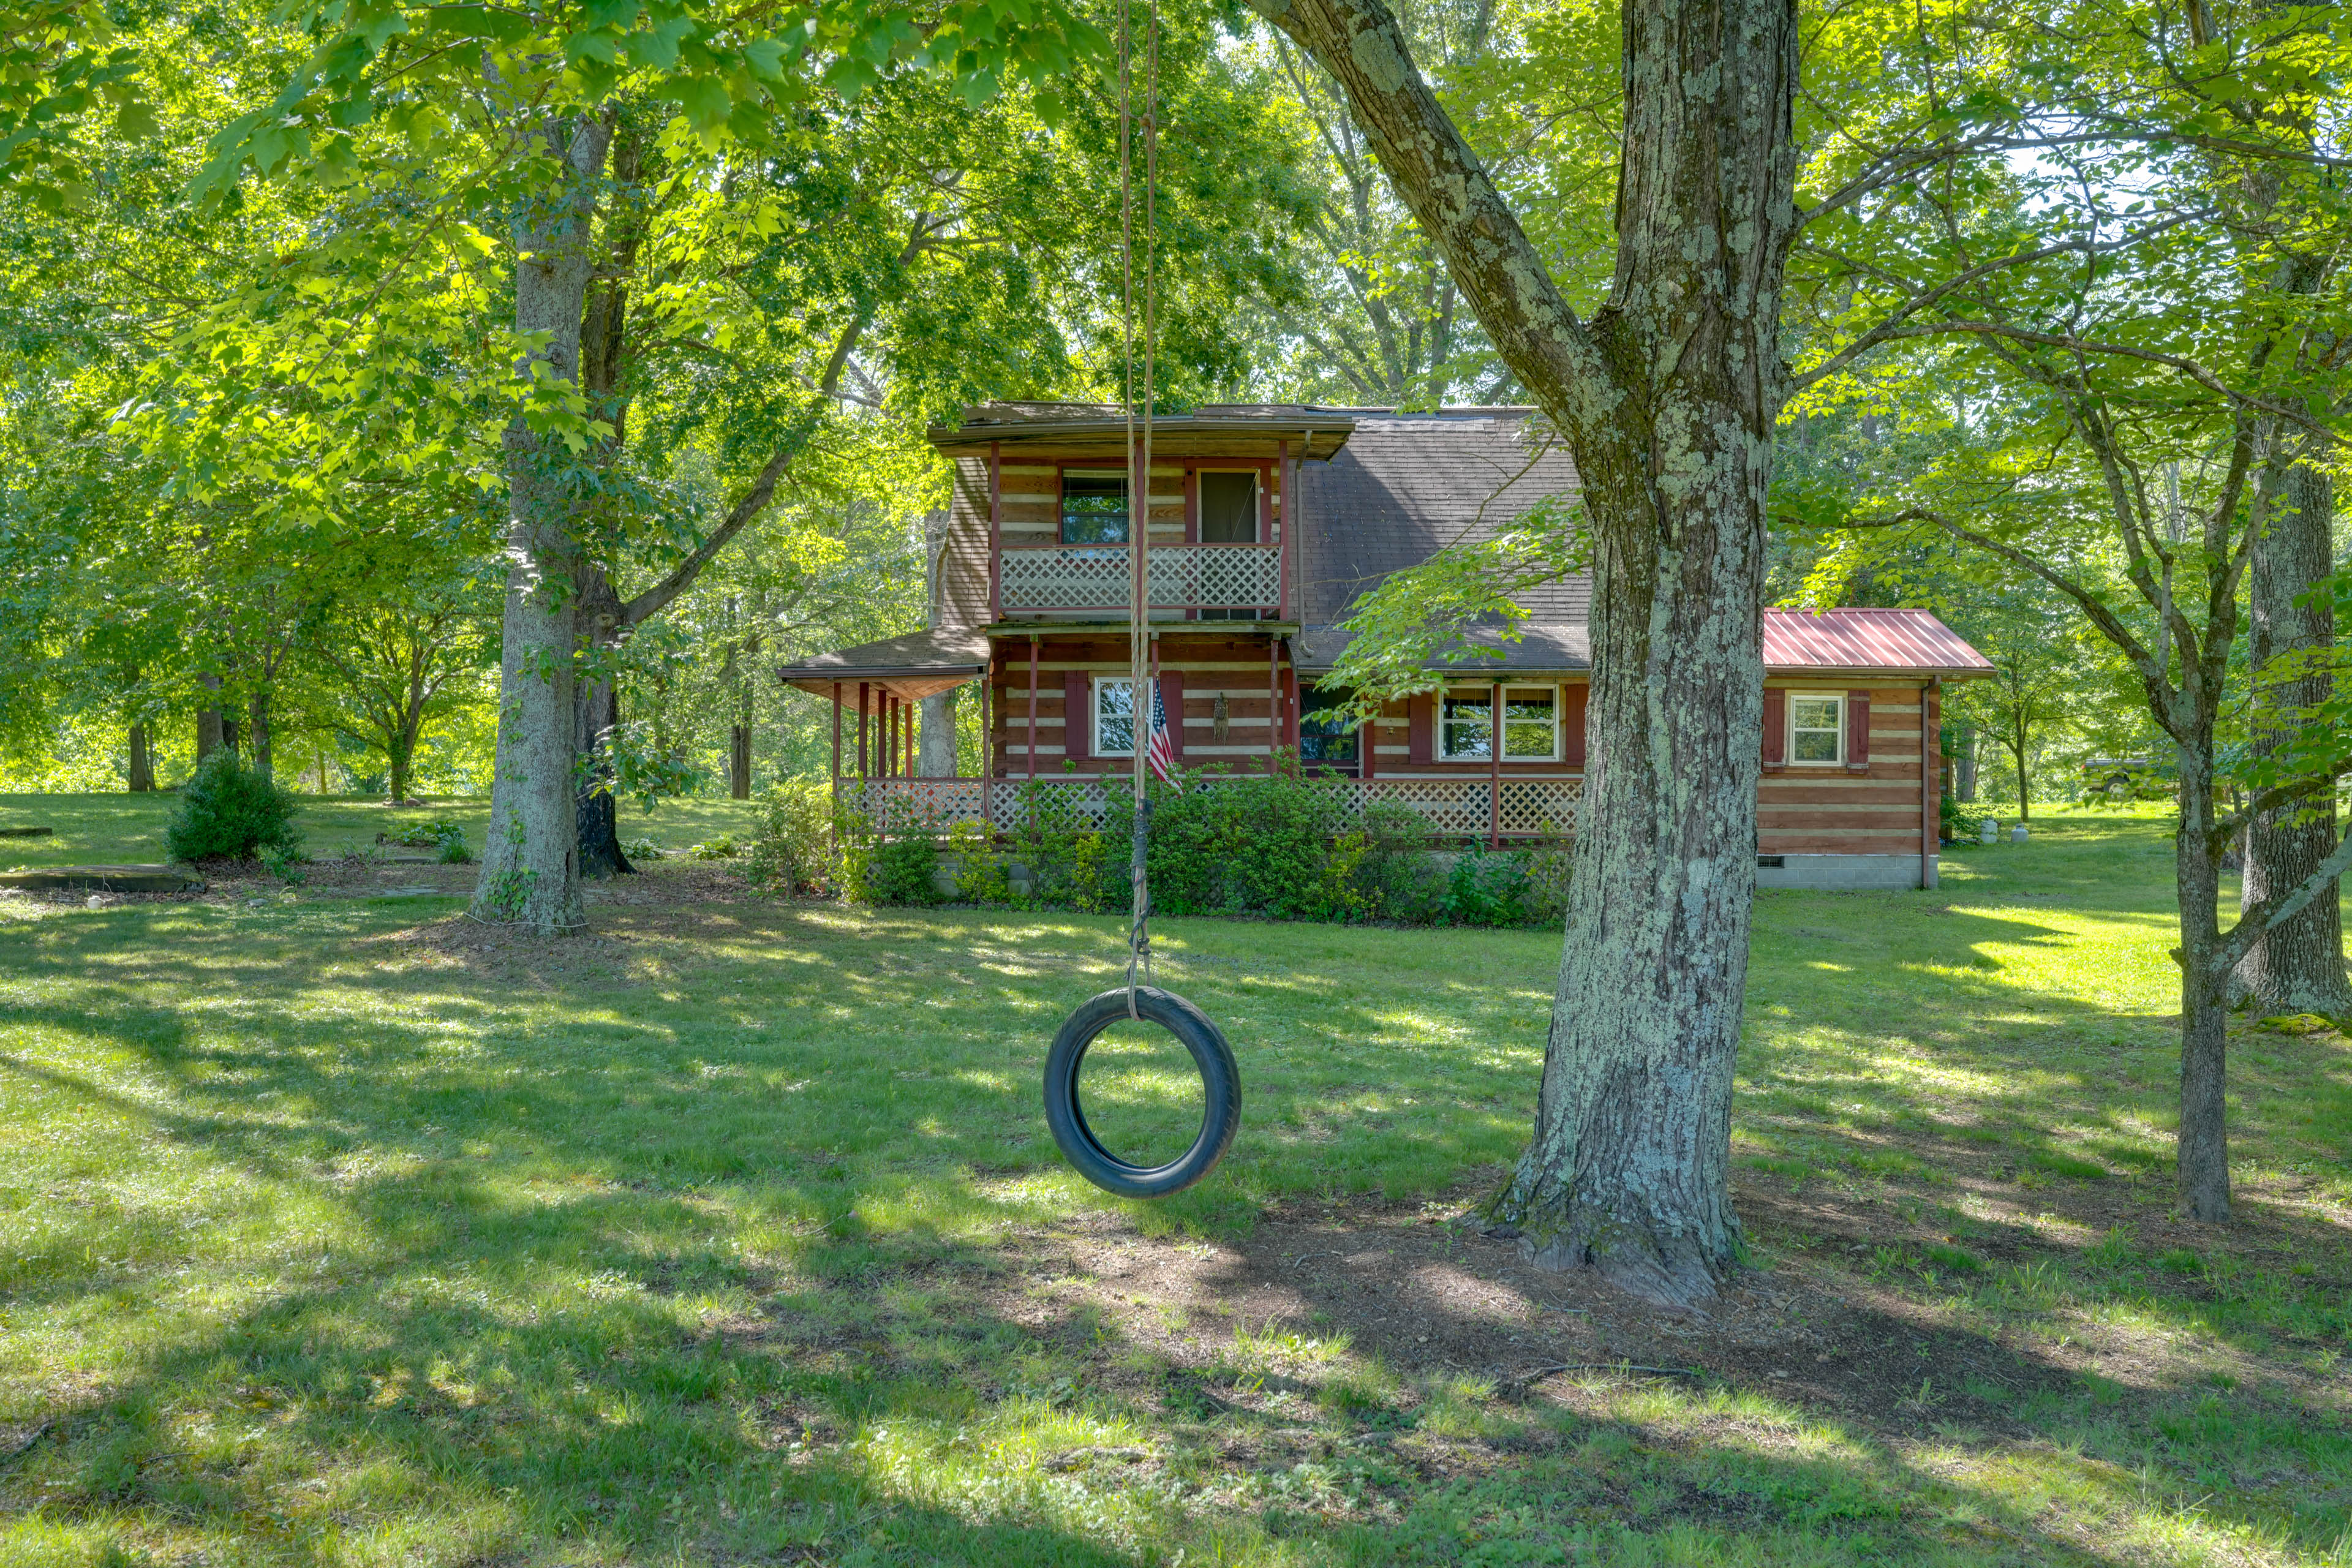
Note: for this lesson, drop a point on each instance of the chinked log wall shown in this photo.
(1233, 668)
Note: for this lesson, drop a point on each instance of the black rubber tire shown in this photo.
(1221, 1085)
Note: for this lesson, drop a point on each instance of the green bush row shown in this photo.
(1286, 848)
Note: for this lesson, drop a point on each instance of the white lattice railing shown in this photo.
(1461, 807)
(1183, 578)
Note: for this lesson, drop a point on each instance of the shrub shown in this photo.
(795, 852)
(1282, 845)
(1397, 876)
(454, 851)
(719, 848)
(980, 874)
(903, 868)
(228, 810)
(646, 849)
(1071, 861)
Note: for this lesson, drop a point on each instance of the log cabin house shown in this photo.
(1268, 523)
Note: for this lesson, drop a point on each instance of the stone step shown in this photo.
(105, 878)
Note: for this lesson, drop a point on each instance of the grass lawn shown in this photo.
(108, 829)
(334, 1229)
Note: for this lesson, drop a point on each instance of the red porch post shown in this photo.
(1495, 766)
(1272, 701)
(863, 771)
(837, 748)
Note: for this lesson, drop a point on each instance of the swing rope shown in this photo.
(1143, 696)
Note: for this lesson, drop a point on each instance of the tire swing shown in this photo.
(1140, 1000)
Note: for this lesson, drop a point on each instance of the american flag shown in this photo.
(1159, 755)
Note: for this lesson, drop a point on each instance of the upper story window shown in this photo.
(1094, 506)
(1469, 727)
(1816, 727)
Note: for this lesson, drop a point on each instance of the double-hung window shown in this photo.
(1530, 723)
(1114, 718)
(1324, 736)
(1468, 723)
(1094, 506)
(1816, 727)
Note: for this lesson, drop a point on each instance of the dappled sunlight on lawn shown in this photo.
(341, 1231)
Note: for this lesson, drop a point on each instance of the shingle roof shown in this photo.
(1867, 639)
(1407, 485)
(915, 666)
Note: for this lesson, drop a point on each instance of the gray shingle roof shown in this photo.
(1407, 485)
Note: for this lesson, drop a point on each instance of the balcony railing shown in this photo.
(1183, 578)
(1459, 807)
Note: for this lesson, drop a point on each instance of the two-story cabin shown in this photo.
(1268, 523)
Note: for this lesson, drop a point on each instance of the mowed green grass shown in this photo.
(328, 1237)
(127, 829)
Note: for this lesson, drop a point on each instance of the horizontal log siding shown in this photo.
(1212, 666)
(1835, 811)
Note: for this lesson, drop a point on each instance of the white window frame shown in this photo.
(1094, 715)
(1837, 700)
(1445, 753)
(1558, 706)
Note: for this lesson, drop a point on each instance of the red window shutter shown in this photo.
(1077, 717)
(1571, 718)
(1171, 701)
(1420, 729)
(1857, 730)
(1776, 727)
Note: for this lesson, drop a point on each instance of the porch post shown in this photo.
(863, 771)
(1282, 478)
(1495, 766)
(837, 748)
(1031, 744)
(995, 530)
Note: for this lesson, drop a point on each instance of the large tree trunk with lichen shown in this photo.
(530, 874)
(2298, 966)
(1668, 399)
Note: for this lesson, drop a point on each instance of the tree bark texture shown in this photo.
(1668, 399)
(530, 874)
(739, 762)
(936, 755)
(142, 769)
(598, 715)
(2203, 1142)
(257, 730)
(208, 721)
(2298, 966)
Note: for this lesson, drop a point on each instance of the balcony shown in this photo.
(1183, 578)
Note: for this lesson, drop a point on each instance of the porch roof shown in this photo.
(912, 666)
(1549, 647)
(1212, 430)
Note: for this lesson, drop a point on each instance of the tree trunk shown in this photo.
(142, 764)
(257, 733)
(2298, 966)
(937, 758)
(2024, 786)
(399, 775)
(228, 728)
(739, 753)
(530, 864)
(2203, 1146)
(1965, 788)
(209, 738)
(1668, 400)
(599, 714)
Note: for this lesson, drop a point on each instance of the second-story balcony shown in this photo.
(1183, 578)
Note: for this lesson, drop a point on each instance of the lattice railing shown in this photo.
(1183, 578)
(1465, 807)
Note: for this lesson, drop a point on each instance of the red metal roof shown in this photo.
(1863, 640)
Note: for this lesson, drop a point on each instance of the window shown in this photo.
(1816, 727)
(1094, 506)
(1323, 733)
(1530, 723)
(1469, 729)
(1114, 718)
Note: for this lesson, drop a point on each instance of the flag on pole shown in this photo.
(1160, 754)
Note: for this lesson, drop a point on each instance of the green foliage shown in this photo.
(454, 850)
(1071, 865)
(794, 852)
(981, 877)
(1284, 847)
(719, 848)
(230, 811)
(902, 868)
